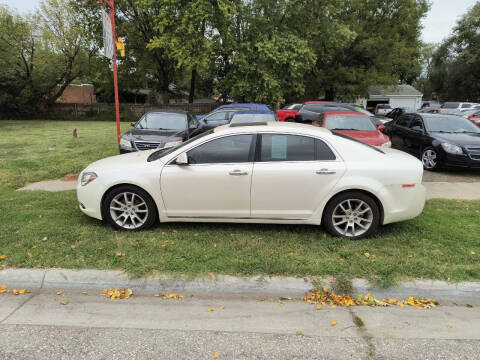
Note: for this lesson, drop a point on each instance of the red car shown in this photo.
(356, 125)
(473, 116)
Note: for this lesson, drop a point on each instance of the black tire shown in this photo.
(141, 204)
(367, 222)
(289, 120)
(426, 154)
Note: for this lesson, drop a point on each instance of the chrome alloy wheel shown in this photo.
(352, 217)
(128, 210)
(429, 159)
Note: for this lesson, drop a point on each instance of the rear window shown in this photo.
(349, 122)
(383, 106)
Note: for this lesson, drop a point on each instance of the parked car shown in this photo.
(447, 111)
(160, 130)
(288, 113)
(440, 140)
(308, 113)
(463, 106)
(473, 115)
(377, 119)
(430, 110)
(230, 108)
(399, 111)
(292, 107)
(382, 109)
(220, 176)
(357, 125)
(253, 116)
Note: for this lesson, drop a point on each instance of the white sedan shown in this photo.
(278, 173)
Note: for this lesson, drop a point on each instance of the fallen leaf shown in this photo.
(450, 326)
(333, 323)
(3, 257)
(210, 310)
(20, 291)
(471, 253)
(59, 292)
(216, 355)
(319, 307)
(30, 255)
(63, 302)
(367, 255)
(86, 293)
(3, 289)
(285, 298)
(299, 333)
(334, 306)
(44, 239)
(114, 293)
(222, 307)
(119, 254)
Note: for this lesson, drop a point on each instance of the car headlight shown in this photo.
(452, 149)
(172, 144)
(124, 142)
(388, 144)
(87, 178)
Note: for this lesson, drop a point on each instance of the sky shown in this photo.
(438, 24)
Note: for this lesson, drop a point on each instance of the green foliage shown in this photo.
(44, 54)
(455, 68)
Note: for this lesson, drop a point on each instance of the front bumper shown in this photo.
(89, 198)
(463, 161)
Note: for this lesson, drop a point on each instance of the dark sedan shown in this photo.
(160, 130)
(440, 140)
(308, 113)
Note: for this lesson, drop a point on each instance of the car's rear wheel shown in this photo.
(129, 208)
(430, 159)
(352, 215)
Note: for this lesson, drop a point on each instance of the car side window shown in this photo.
(218, 116)
(287, 148)
(416, 124)
(323, 151)
(465, 106)
(226, 150)
(403, 121)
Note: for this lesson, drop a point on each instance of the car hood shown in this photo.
(117, 162)
(160, 136)
(375, 137)
(458, 139)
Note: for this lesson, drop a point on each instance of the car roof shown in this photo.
(254, 112)
(181, 112)
(274, 126)
(339, 112)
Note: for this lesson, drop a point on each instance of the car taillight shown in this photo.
(408, 185)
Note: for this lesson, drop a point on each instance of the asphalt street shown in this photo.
(44, 325)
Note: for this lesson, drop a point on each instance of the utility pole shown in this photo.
(111, 5)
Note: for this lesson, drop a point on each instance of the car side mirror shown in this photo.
(381, 127)
(133, 123)
(182, 159)
(193, 126)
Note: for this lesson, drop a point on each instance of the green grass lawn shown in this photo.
(40, 229)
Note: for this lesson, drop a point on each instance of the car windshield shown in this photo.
(163, 152)
(163, 121)
(363, 111)
(349, 122)
(251, 118)
(450, 124)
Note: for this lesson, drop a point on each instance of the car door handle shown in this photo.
(325, 172)
(238, 173)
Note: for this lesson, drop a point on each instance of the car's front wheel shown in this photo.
(430, 159)
(352, 215)
(129, 208)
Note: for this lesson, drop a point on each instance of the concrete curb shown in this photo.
(223, 284)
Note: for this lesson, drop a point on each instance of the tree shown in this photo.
(455, 69)
(42, 55)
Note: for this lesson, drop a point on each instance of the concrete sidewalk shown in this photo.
(454, 191)
(43, 325)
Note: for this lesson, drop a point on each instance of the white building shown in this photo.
(403, 96)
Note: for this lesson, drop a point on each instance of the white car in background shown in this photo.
(461, 106)
(382, 109)
(277, 173)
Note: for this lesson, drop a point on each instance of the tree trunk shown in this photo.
(330, 94)
(191, 96)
